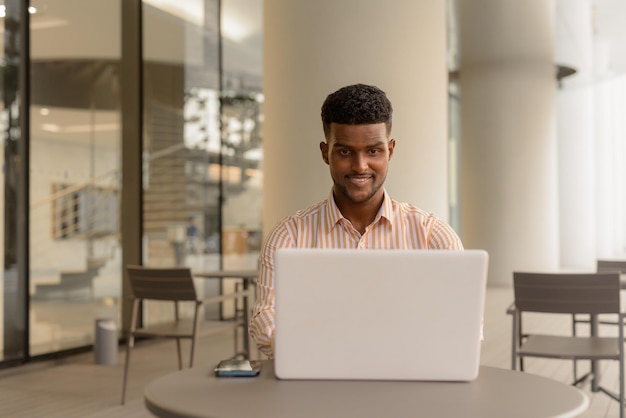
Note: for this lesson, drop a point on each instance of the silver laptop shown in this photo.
(379, 314)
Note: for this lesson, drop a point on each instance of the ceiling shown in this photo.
(590, 35)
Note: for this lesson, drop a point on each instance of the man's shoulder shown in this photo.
(311, 210)
(306, 213)
(290, 225)
(409, 208)
(413, 214)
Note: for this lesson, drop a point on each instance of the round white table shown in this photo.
(495, 393)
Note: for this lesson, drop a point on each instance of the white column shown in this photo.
(610, 167)
(312, 48)
(508, 147)
(575, 126)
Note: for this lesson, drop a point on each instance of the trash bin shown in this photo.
(105, 347)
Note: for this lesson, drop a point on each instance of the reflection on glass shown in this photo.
(181, 191)
(242, 118)
(202, 143)
(75, 257)
(12, 303)
(242, 178)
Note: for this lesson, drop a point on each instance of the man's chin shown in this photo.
(358, 197)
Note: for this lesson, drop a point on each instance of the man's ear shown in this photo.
(391, 145)
(324, 149)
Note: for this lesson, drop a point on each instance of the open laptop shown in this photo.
(379, 314)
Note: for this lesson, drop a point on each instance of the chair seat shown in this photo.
(594, 348)
(184, 328)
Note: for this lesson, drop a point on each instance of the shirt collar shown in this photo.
(386, 209)
(333, 215)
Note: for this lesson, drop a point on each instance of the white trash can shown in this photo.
(105, 346)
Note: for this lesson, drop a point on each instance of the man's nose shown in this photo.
(359, 163)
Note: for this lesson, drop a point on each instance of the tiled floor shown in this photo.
(76, 387)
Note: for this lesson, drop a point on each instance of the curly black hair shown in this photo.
(358, 104)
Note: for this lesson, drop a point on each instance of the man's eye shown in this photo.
(344, 152)
(374, 151)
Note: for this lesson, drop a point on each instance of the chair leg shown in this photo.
(520, 336)
(238, 312)
(180, 357)
(243, 349)
(621, 390)
(575, 364)
(196, 329)
(621, 365)
(129, 346)
(514, 340)
(193, 350)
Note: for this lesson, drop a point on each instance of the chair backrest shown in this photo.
(606, 266)
(161, 283)
(592, 293)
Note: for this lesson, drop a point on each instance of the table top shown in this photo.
(237, 274)
(496, 392)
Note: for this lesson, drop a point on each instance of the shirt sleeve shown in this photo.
(443, 237)
(262, 323)
(261, 327)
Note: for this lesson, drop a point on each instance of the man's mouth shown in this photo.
(359, 179)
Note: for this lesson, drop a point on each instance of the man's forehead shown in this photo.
(371, 142)
(349, 125)
(372, 133)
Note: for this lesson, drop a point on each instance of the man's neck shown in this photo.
(362, 214)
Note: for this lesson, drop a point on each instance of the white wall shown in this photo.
(312, 48)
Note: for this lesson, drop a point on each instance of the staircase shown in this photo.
(73, 285)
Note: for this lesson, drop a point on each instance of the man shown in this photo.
(358, 212)
(192, 235)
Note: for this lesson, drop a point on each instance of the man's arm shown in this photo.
(262, 323)
(261, 326)
(443, 237)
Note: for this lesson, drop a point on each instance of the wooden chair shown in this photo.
(610, 266)
(602, 266)
(565, 293)
(174, 285)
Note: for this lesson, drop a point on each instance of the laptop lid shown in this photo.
(379, 314)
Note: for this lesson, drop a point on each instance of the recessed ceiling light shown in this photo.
(3, 10)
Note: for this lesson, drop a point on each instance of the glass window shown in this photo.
(202, 143)
(242, 154)
(75, 257)
(12, 284)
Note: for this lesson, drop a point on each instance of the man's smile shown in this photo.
(359, 180)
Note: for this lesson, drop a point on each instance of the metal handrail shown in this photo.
(72, 189)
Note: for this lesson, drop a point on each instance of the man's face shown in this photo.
(358, 157)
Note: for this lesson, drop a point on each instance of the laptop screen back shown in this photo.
(379, 314)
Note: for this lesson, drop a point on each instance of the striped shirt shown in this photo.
(396, 226)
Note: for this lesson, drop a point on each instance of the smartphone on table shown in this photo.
(238, 368)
